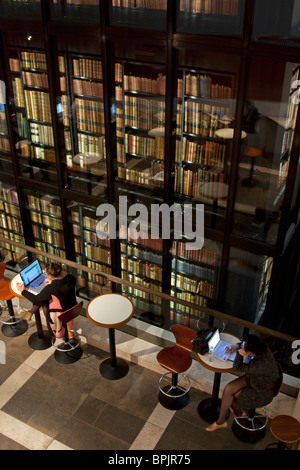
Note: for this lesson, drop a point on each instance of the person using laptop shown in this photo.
(57, 284)
(256, 388)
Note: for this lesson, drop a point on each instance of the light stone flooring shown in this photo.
(45, 405)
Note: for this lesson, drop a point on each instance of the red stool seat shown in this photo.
(176, 359)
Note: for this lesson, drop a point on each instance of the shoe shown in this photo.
(214, 426)
(27, 315)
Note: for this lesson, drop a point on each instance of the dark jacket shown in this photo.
(63, 289)
(262, 377)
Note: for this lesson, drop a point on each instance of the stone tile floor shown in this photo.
(48, 405)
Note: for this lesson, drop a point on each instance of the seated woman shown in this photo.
(57, 284)
(254, 389)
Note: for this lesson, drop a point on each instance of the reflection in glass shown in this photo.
(77, 10)
(269, 119)
(5, 151)
(205, 112)
(82, 120)
(140, 13)
(21, 8)
(220, 18)
(11, 226)
(90, 250)
(140, 120)
(33, 126)
(276, 19)
(247, 284)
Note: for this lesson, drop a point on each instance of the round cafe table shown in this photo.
(209, 408)
(39, 340)
(110, 311)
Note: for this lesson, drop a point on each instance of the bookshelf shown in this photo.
(90, 250)
(76, 10)
(82, 118)
(35, 143)
(149, 14)
(211, 17)
(140, 120)
(46, 222)
(11, 226)
(5, 150)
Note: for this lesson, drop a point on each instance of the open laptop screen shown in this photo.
(31, 272)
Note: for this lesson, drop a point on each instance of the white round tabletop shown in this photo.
(213, 363)
(214, 190)
(13, 285)
(85, 159)
(110, 310)
(228, 132)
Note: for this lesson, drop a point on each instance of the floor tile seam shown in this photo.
(29, 437)
(151, 422)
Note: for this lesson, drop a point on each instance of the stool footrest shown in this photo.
(168, 388)
(66, 346)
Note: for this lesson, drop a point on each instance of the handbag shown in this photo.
(200, 343)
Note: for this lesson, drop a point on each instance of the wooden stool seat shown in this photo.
(176, 359)
(253, 152)
(5, 291)
(285, 428)
(68, 351)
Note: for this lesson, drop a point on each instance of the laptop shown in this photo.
(219, 346)
(33, 277)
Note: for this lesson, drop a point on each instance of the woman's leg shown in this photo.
(231, 391)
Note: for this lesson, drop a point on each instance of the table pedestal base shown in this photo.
(66, 356)
(38, 342)
(175, 402)
(113, 370)
(15, 329)
(209, 410)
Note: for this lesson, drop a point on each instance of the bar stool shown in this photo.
(252, 426)
(174, 388)
(253, 153)
(286, 429)
(12, 326)
(68, 350)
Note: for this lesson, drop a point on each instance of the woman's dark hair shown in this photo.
(53, 269)
(253, 344)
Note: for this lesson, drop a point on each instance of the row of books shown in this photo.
(207, 153)
(155, 86)
(202, 86)
(46, 204)
(203, 119)
(53, 237)
(146, 146)
(88, 68)
(38, 105)
(194, 270)
(145, 241)
(89, 115)
(35, 79)
(97, 253)
(49, 248)
(3, 124)
(189, 297)
(18, 92)
(192, 180)
(11, 223)
(141, 253)
(201, 287)
(4, 144)
(95, 277)
(151, 4)
(143, 113)
(43, 154)
(210, 7)
(9, 194)
(201, 256)
(86, 87)
(142, 172)
(152, 271)
(135, 279)
(33, 60)
(41, 134)
(91, 144)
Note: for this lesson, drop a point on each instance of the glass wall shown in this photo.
(21, 8)
(276, 19)
(269, 122)
(139, 13)
(211, 17)
(76, 10)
